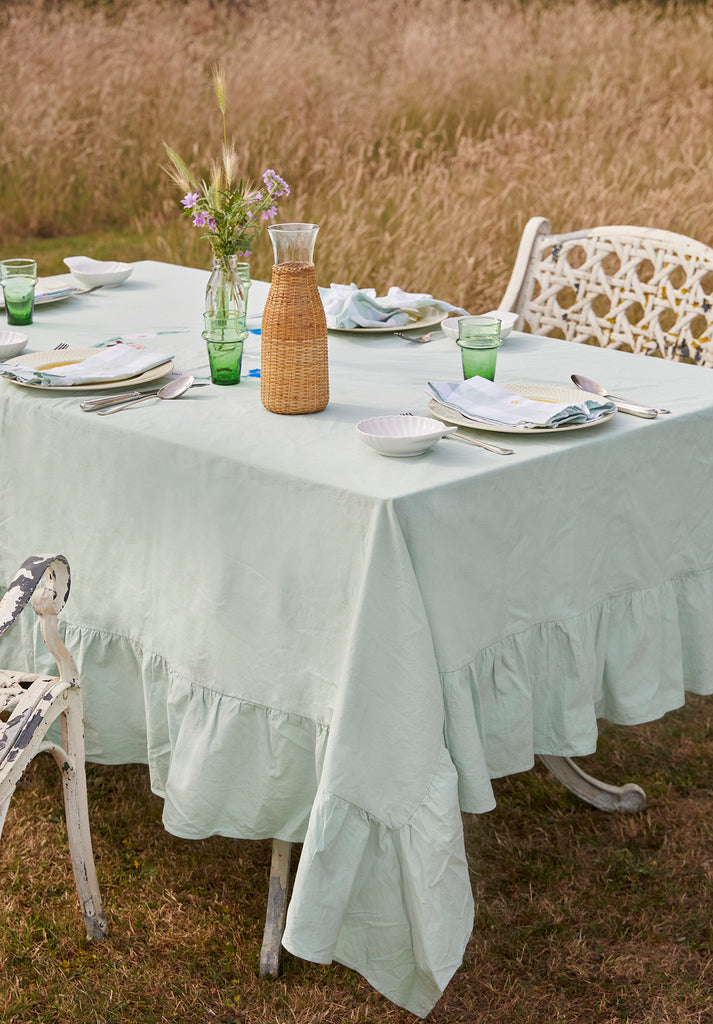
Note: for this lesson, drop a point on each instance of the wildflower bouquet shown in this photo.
(232, 214)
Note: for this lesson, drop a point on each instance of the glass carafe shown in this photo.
(294, 373)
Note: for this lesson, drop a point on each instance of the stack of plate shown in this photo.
(67, 356)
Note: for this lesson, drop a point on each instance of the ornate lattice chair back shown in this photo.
(29, 704)
(632, 288)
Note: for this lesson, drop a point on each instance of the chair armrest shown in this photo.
(50, 599)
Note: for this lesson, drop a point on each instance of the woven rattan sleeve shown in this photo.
(294, 373)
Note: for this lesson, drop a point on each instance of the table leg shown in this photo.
(629, 797)
(276, 909)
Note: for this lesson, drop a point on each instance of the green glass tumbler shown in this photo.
(18, 279)
(225, 336)
(479, 341)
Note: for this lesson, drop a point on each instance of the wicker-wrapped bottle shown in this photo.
(294, 371)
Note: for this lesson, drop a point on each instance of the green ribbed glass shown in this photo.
(479, 341)
(224, 336)
(18, 278)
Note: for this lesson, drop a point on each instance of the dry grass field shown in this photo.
(421, 135)
(581, 917)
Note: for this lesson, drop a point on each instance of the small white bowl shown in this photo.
(92, 273)
(507, 322)
(11, 344)
(402, 436)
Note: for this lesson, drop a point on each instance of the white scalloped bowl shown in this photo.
(507, 322)
(402, 436)
(92, 273)
(12, 343)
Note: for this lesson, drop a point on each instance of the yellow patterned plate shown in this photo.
(67, 356)
(538, 392)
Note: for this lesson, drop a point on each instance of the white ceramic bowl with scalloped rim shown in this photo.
(92, 273)
(507, 322)
(401, 436)
(12, 344)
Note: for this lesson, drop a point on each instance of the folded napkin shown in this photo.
(480, 399)
(348, 307)
(117, 362)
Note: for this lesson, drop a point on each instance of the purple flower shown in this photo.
(190, 199)
(211, 223)
(199, 219)
(269, 214)
(276, 185)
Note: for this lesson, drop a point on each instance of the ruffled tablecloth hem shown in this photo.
(394, 904)
(629, 659)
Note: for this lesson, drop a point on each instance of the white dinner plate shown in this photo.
(47, 290)
(67, 356)
(540, 392)
(431, 318)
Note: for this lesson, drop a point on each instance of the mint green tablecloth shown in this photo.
(309, 641)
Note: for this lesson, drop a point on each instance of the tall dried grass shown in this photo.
(420, 135)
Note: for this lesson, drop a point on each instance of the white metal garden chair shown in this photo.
(29, 704)
(637, 289)
(633, 288)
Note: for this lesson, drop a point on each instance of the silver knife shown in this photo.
(480, 444)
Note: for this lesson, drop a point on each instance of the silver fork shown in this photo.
(62, 344)
(422, 339)
(496, 448)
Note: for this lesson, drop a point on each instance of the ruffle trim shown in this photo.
(394, 904)
(281, 755)
(629, 660)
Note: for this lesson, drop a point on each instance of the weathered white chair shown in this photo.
(29, 704)
(632, 288)
(637, 289)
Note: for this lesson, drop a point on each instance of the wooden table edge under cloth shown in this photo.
(294, 368)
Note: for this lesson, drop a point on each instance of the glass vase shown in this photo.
(227, 289)
(294, 373)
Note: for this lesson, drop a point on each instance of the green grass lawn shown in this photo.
(125, 246)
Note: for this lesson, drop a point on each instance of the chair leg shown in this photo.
(3, 812)
(75, 802)
(276, 909)
(629, 797)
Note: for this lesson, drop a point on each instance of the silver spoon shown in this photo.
(174, 389)
(92, 404)
(622, 404)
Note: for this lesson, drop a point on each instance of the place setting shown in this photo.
(21, 289)
(113, 366)
(477, 402)
(354, 310)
